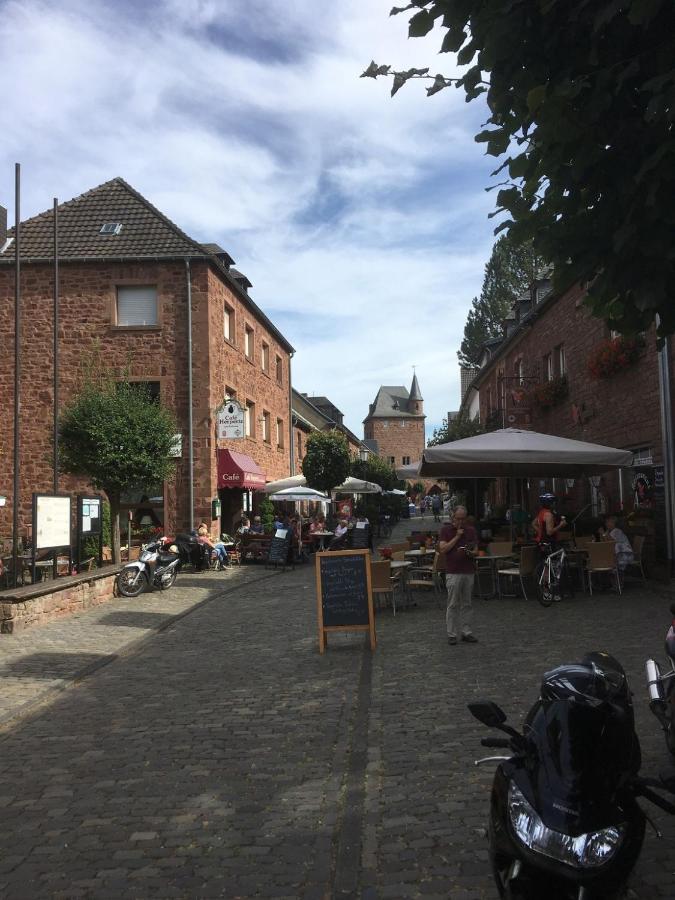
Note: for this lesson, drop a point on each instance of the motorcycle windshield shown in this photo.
(583, 752)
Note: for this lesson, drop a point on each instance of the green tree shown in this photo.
(462, 426)
(266, 510)
(326, 463)
(375, 469)
(117, 436)
(510, 270)
(581, 105)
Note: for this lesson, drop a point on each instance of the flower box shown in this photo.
(614, 355)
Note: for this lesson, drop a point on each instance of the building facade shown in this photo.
(395, 424)
(131, 286)
(560, 371)
(319, 414)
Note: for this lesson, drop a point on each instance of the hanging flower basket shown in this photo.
(550, 393)
(614, 355)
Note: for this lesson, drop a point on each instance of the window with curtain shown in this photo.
(137, 306)
(265, 357)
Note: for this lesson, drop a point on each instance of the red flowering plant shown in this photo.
(549, 393)
(614, 355)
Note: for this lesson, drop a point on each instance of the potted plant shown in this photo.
(550, 393)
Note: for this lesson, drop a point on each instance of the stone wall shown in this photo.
(38, 604)
(397, 437)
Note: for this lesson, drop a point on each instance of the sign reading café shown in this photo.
(230, 420)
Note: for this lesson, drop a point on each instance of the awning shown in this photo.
(236, 470)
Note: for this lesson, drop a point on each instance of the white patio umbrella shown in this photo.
(394, 492)
(357, 486)
(298, 494)
(293, 481)
(515, 452)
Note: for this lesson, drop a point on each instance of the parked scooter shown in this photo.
(661, 688)
(157, 565)
(564, 820)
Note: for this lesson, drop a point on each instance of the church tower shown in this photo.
(394, 426)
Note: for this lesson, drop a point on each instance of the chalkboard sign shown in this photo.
(344, 594)
(280, 548)
(360, 537)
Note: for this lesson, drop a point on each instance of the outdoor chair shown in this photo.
(584, 540)
(382, 582)
(638, 547)
(602, 558)
(500, 548)
(526, 568)
(426, 578)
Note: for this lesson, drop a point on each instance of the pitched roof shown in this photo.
(415, 393)
(391, 402)
(145, 231)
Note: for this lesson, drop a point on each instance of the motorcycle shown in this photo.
(565, 823)
(661, 688)
(156, 566)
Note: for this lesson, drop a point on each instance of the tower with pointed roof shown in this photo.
(394, 426)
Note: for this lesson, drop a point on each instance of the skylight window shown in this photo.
(111, 228)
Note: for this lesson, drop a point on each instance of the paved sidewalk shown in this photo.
(47, 658)
(224, 757)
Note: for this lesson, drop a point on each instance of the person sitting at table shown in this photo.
(257, 526)
(244, 526)
(205, 540)
(318, 524)
(622, 547)
(340, 535)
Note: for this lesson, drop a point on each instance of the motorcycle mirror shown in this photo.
(488, 713)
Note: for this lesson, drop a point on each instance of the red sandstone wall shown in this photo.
(397, 438)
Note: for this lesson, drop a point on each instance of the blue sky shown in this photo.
(361, 220)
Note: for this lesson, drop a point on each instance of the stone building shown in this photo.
(319, 414)
(394, 426)
(127, 274)
(546, 374)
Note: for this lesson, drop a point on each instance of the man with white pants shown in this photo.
(458, 544)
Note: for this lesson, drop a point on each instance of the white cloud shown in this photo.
(246, 122)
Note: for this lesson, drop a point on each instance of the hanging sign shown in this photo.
(230, 420)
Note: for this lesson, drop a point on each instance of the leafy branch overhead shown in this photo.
(580, 103)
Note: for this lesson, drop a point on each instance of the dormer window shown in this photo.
(111, 228)
(395, 404)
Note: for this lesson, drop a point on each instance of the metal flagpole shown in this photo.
(17, 366)
(56, 346)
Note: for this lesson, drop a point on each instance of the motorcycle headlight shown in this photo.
(584, 851)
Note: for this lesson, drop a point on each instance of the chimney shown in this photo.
(3, 226)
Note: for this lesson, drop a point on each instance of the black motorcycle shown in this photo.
(661, 687)
(564, 820)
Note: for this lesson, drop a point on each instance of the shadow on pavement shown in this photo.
(49, 665)
(133, 619)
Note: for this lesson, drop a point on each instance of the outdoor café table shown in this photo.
(419, 554)
(494, 562)
(322, 535)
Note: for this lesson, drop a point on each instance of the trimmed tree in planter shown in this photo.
(117, 436)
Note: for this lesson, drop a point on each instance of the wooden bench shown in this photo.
(255, 546)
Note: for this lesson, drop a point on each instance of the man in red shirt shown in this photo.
(457, 543)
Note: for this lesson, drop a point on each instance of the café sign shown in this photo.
(230, 420)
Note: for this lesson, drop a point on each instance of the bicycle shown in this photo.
(552, 576)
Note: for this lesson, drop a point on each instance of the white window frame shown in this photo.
(142, 306)
(548, 367)
(249, 341)
(266, 422)
(265, 357)
(562, 362)
(228, 323)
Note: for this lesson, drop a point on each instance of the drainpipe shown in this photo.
(291, 442)
(667, 442)
(191, 457)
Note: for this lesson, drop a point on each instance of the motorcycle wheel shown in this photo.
(166, 581)
(545, 593)
(125, 583)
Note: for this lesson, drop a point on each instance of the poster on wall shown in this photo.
(51, 521)
(642, 484)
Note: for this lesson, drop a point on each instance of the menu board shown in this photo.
(279, 547)
(344, 594)
(360, 536)
(51, 521)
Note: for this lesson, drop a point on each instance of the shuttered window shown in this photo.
(137, 306)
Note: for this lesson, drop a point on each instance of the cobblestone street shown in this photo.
(224, 757)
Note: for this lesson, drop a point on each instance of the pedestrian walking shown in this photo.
(457, 543)
(436, 507)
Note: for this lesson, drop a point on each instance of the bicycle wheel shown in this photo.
(545, 591)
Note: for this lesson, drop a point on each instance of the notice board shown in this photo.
(280, 547)
(360, 536)
(51, 521)
(344, 594)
